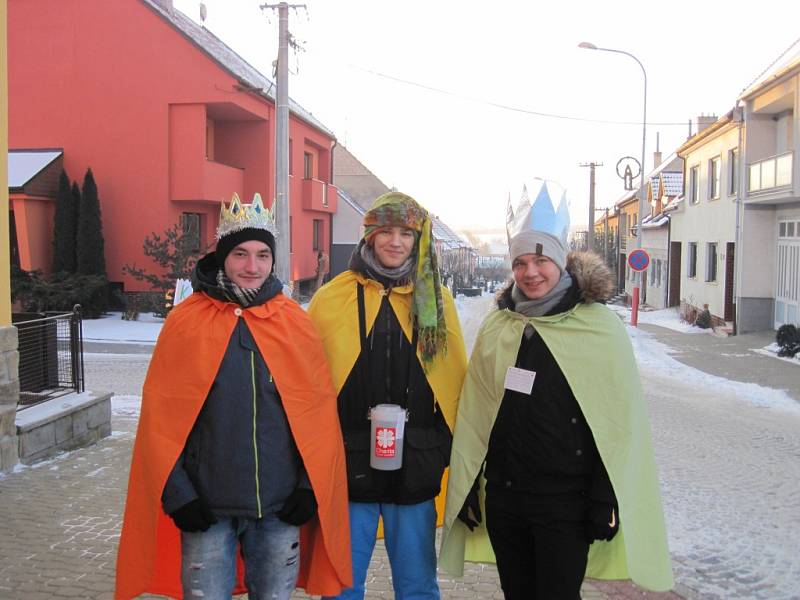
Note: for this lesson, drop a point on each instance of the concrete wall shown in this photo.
(9, 395)
(61, 424)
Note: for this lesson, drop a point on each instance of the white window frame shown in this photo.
(694, 184)
(714, 176)
(733, 171)
(712, 249)
(691, 260)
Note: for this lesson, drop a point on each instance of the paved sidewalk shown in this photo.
(61, 518)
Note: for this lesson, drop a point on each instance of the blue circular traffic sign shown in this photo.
(638, 260)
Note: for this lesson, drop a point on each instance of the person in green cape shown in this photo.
(552, 439)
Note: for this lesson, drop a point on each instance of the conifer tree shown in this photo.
(90, 246)
(76, 210)
(64, 228)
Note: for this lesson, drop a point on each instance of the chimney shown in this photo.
(657, 153)
(703, 121)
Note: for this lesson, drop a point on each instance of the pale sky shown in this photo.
(459, 155)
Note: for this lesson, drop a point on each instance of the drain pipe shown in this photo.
(739, 111)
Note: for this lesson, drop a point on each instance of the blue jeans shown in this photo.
(410, 537)
(271, 553)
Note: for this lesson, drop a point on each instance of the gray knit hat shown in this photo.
(538, 242)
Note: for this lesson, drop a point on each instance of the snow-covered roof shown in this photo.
(447, 236)
(783, 64)
(229, 60)
(654, 222)
(24, 165)
(355, 205)
(674, 205)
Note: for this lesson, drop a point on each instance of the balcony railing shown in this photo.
(318, 195)
(771, 173)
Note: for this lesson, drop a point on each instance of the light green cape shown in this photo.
(592, 348)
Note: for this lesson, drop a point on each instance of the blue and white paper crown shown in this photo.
(238, 216)
(541, 215)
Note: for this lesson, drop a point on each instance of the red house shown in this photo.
(170, 120)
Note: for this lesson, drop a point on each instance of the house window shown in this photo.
(291, 162)
(713, 176)
(711, 262)
(658, 271)
(789, 229)
(192, 230)
(317, 234)
(652, 270)
(692, 258)
(694, 184)
(308, 165)
(733, 169)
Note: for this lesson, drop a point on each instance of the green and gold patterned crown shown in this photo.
(238, 216)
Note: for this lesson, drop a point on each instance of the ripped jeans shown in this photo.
(270, 550)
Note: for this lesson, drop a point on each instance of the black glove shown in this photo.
(299, 508)
(470, 513)
(602, 522)
(193, 516)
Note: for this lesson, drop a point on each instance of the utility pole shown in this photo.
(281, 205)
(590, 231)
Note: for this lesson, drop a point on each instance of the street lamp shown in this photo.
(637, 282)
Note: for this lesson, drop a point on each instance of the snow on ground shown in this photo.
(652, 355)
(667, 317)
(772, 351)
(112, 328)
(126, 406)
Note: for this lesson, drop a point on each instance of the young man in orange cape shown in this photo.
(239, 445)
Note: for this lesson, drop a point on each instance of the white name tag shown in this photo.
(519, 380)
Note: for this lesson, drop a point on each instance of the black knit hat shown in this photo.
(230, 241)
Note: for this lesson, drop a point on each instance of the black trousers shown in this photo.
(538, 542)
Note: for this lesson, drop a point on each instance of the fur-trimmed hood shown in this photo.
(594, 279)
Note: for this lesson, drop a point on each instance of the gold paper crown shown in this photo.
(238, 216)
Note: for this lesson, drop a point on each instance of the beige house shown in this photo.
(768, 269)
(703, 225)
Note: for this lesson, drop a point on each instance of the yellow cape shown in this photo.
(334, 310)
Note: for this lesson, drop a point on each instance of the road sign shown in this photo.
(638, 260)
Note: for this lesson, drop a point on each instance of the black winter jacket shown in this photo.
(240, 456)
(387, 371)
(540, 443)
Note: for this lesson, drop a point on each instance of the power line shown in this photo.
(499, 105)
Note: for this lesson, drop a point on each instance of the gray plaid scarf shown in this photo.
(235, 293)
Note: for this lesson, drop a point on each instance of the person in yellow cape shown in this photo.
(238, 451)
(553, 407)
(392, 336)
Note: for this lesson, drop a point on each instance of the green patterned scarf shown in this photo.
(398, 210)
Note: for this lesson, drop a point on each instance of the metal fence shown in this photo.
(50, 355)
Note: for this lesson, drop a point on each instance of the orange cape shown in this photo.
(189, 351)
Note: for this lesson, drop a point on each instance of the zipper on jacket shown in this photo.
(255, 442)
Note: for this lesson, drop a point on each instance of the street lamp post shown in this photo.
(637, 282)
